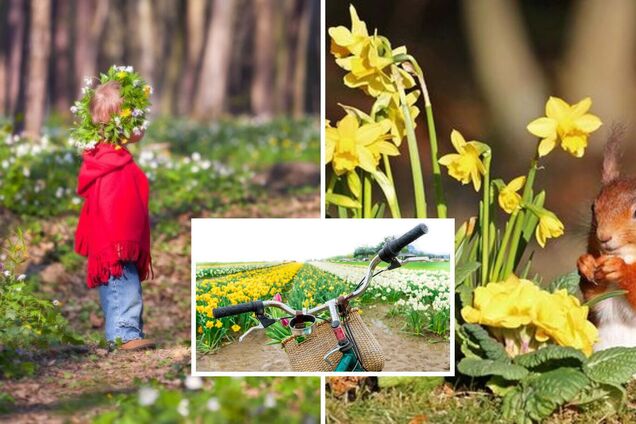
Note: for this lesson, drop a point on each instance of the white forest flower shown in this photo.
(21, 277)
(145, 125)
(193, 382)
(270, 401)
(129, 69)
(136, 83)
(56, 302)
(137, 112)
(7, 273)
(147, 396)
(196, 156)
(76, 200)
(88, 81)
(85, 90)
(184, 407)
(136, 131)
(74, 109)
(213, 404)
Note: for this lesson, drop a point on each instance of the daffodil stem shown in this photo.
(387, 168)
(366, 212)
(485, 223)
(494, 274)
(414, 156)
(440, 200)
(516, 236)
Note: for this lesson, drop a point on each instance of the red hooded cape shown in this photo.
(114, 226)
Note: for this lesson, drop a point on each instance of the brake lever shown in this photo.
(265, 322)
(395, 263)
(257, 327)
(328, 354)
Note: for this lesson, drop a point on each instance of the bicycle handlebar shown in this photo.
(241, 308)
(392, 248)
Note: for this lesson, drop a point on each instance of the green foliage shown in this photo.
(612, 366)
(191, 167)
(292, 400)
(569, 282)
(535, 384)
(27, 321)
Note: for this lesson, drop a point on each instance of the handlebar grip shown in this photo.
(241, 308)
(392, 248)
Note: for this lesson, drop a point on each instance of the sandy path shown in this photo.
(403, 352)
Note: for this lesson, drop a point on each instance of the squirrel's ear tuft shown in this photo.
(612, 155)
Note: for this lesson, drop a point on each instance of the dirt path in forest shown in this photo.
(403, 352)
(71, 386)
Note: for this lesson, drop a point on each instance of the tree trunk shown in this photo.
(286, 37)
(173, 58)
(264, 56)
(16, 23)
(300, 73)
(195, 35)
(147, 41)
(62, 66)
(211, 95)
(4, 53)
(89, 24)
(40, 43)
(508, 73)
(601, 59)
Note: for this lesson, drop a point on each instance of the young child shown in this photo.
(114, 230)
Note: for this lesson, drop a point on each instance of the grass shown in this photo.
(429, 266)
(416, 402)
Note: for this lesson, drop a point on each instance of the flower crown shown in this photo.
(131, 119)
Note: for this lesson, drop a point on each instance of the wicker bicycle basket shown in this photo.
(308, 354)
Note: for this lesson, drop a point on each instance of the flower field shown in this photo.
(219, 270)
(422, 296)
(253, 284)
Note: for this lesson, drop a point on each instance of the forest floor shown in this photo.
(72, 385)
(402, 352)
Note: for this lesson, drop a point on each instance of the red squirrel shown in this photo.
(610, 261)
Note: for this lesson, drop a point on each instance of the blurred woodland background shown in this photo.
(205, 58)
(490, 66)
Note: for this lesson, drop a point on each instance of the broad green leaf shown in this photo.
(569, 282)
(342, 200)
(615, 365)
(475, 367)
(549, 356)
(491, 348)
(545, 392)
(462, 271)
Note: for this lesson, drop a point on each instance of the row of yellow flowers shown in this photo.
(256, 284)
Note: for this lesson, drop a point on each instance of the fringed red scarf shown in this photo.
(114, 226)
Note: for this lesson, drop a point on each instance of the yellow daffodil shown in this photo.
(236, 328)
(549, 226)
(388, 105)
(121, 74)
(465, 165)
(209, 324)
(569, 123)
(345, 42)
(147, 90)
(218, 324)
(125, 113)
(200, 330)
(350, 144)
(525, 318)
(509, 199)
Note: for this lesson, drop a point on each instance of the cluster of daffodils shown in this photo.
(130, 121)
(525, 318)
(568, 124)
(362, 141)
(220, 270)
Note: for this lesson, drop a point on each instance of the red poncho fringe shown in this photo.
(113, 226)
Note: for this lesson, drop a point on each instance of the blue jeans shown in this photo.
(123, 306)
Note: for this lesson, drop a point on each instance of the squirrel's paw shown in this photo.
(610, 269)
(586, 264)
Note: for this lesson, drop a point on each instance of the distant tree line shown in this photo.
(205, 58)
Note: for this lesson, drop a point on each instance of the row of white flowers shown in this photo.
(419, 290)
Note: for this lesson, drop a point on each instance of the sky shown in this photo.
(254, 240)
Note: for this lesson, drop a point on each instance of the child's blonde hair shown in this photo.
(106, 101)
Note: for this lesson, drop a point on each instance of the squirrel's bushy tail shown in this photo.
(612, 154)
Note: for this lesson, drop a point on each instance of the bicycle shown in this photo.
(358, 348)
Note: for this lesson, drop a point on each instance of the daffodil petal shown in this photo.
(588, 123)
(458, 141)
(556, 108)
(543, 127)
(367, 162)
(517, 183)
(348, 126)
(546, 146)
(581, 108)
(447, 159)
